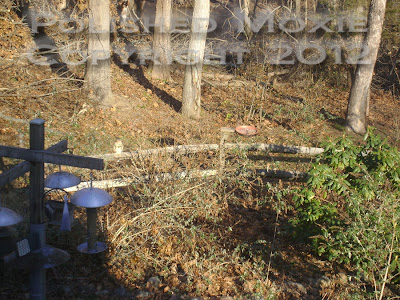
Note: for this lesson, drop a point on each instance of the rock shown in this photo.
(91, 288)
(342, 278)
(120, 292)
(314, 282)
(103, 293)
(297, 287)
(153, 283)
(142, 294)
(67, 289)
(257, 297)
(324, 282)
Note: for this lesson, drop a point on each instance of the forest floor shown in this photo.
(209, 238)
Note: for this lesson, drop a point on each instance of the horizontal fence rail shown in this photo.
(188, 149)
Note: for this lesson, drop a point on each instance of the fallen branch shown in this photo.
(288, 175)
(34, 85)
(12, 119)
(278, 73)
(217, 76)
(186, 149)
(272, 148)
(121, 182)
(22, 121)
(181, 149)
(57, 92)
(230, 83)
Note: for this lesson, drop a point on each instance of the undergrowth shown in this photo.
(349, 208)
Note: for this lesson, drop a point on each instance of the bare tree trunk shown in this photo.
(306, 12)
(191, 99)
(298, 8)
(97, 75)
(162, 40)
(245, 7)
(357, 107)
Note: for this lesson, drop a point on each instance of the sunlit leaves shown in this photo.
(349, 206)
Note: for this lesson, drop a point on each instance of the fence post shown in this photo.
(225, 132)
(37, 236)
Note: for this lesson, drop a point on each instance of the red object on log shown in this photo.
(246, 130)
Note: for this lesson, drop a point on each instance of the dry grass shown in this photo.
(180, 232)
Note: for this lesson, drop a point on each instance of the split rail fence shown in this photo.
(222, 148)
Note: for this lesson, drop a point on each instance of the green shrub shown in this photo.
(349, 207)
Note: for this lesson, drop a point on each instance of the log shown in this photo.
(186, 149)
(230, 83)
(218, 76)
(273, 148)
(121, 182)
(289, 175)
(12, 119)
(181, 149)
(278, 73)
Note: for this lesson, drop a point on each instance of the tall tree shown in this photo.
(97, 76)
(245, 7)
(358, 100)
(191, 99)
(162, 40)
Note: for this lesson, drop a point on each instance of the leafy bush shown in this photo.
(349, 208)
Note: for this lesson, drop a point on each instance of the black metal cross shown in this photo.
(35, 158)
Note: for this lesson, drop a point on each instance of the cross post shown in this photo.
(35, 157)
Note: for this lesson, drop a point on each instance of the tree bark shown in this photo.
(357, 106)
(191, 99)
(298, 8)
(97, 75)
(246, 19)
(162, 41)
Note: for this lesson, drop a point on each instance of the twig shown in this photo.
(12, 119)
(54, 93)
(388, 261)
(39, 82)
(273, 244)
(395, 62)
(206, 81)
(130, 237)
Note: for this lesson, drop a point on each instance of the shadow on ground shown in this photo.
(138, 75)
